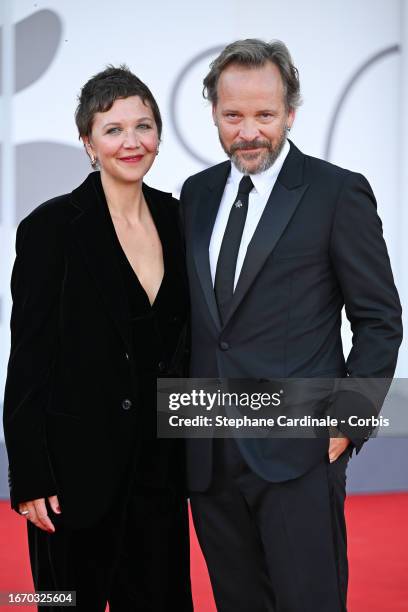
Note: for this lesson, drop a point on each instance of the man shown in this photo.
(277, 243)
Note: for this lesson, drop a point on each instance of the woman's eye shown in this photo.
(113, 130)
(144, 126)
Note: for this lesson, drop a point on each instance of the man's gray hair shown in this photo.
(253, 52)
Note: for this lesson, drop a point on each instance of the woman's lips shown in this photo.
(131, 159)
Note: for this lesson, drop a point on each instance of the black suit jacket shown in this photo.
(70, 410)
(317, 247)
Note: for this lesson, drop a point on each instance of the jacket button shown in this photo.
(126, 404)
(161, 366)
(224, 346)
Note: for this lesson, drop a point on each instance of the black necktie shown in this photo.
(227, 259)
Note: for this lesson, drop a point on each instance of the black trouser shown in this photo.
(136, 558)
(273, 546)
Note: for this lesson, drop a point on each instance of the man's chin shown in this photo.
(249, 163)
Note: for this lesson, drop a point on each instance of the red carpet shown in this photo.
(378, 552)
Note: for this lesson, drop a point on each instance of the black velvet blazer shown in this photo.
(70, 411)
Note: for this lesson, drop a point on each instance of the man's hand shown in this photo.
(337, 447)
(36, 512)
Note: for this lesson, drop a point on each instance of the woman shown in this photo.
(99, 311)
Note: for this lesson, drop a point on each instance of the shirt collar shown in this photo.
(263, 181)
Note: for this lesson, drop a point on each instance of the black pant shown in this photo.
(136, 558)
(277, 547)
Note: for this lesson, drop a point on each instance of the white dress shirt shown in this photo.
(258, 197)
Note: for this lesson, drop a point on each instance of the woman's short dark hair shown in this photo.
(101, 91)
(254, 53)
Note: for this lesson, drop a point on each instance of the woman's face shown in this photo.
(124, 140)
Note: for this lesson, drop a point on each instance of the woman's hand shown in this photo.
(36, 512)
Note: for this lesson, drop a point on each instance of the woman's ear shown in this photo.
(88, 148)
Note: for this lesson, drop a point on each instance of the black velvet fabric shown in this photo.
(154, 340)
(80, 410)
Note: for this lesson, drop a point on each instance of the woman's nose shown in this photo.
(131, 140)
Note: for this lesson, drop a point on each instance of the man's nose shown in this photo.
(249, 130)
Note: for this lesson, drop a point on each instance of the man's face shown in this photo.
(251, 117)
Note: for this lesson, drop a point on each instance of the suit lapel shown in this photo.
(282, 203)
(205, 216)
(91, 231)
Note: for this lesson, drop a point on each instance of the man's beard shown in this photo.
(266, 158)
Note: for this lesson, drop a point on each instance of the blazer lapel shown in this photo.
(161, 208)
(205, 216)
(92, 232)
(282, 203)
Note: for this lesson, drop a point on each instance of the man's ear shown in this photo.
(214, 114)
(290, 118)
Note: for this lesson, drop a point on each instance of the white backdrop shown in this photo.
(60, 44)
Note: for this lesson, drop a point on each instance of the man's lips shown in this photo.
(131, 159)
(251, 150)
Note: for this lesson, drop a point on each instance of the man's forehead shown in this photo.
(263, 78)
(253, 86)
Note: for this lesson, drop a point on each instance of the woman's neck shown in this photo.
(125, 200)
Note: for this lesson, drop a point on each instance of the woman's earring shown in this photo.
(92, 157)
(157, 151)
